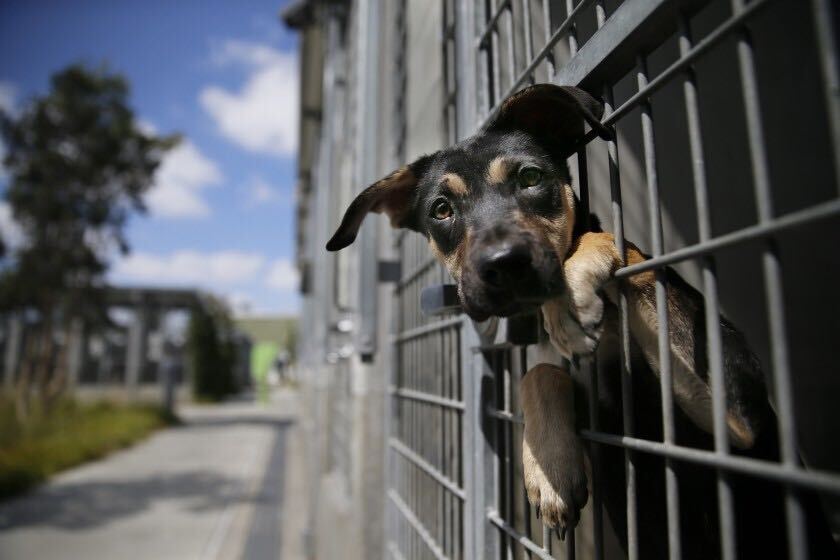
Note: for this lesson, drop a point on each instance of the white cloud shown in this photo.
(246, 53)
(260, 193)
(8, 97)
(249, 282)
(222, 268)
(10, 230)
(282, 276)
(179, 181)
(262, 116)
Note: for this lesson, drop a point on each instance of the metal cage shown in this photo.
(454, 463)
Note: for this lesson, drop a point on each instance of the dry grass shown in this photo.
(69, 434)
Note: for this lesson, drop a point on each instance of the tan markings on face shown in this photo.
(555, 232)
(498, 170)
(456, 184)
(454, 261)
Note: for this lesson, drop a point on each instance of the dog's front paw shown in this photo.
(555, 484)
(586, 298)
(575, 321)
(552, 453)
(574, 328)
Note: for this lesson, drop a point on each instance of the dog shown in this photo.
(499, 211)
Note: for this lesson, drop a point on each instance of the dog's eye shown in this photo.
(441, 210)
(529, 177)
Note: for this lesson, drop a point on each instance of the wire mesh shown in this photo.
(579, 42)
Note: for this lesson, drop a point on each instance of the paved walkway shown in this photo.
(224, 485)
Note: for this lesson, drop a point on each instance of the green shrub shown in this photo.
(68, 434)
(212, 353)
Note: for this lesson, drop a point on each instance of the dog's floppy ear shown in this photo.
(554, 115)
(393, 194)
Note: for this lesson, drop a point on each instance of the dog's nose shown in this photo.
(500, 266)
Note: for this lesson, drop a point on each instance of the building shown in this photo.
(412, 418)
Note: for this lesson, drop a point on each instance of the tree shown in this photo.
(79, 165)
(211, 350)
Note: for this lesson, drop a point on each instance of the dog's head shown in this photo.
(497, 208)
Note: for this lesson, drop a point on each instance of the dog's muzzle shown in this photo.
(509, 277)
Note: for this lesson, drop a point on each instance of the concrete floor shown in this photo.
(226, 484)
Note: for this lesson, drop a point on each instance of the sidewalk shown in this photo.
(221, 486)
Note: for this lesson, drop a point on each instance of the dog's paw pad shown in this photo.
(557, 506)
(553, 511)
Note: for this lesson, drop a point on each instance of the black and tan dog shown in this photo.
(499, 211)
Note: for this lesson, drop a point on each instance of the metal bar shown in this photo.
(507, 430)
(504, 415)
(430, 328)
(546, 539)
(720, 33)
(511, 47)
(429, 398)
(394, 360)
(483, 94)
(501, 456)
(367, 93)
(494, 518)
(419, 528)
(450, 75)
(527, 510)
(627, 402)
(589, 367)
(445, 506)
(494, 59)
(528, 35)
(821, 481)
(824, 18)
(468, 96)
(797, 537)
(571, 544)
(426, 467)
(548, 56)
(572, 34)
(590, 370)
(492, 24)
(544, 51)
(522, 368)
(666, 383)
(759, 231)
(495, 347)
(726, 521)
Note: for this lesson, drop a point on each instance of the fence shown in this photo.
(455, 488)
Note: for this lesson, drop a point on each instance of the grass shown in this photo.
(69, 434)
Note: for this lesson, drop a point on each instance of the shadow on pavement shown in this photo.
(91, 504)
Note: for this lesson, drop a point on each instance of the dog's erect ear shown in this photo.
(393, 194)
(554, 115)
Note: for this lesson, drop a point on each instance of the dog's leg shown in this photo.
(552, 454)
(589, 272)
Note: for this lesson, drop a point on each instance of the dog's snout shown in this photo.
(501, 265)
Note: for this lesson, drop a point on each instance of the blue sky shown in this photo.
(223, 74)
